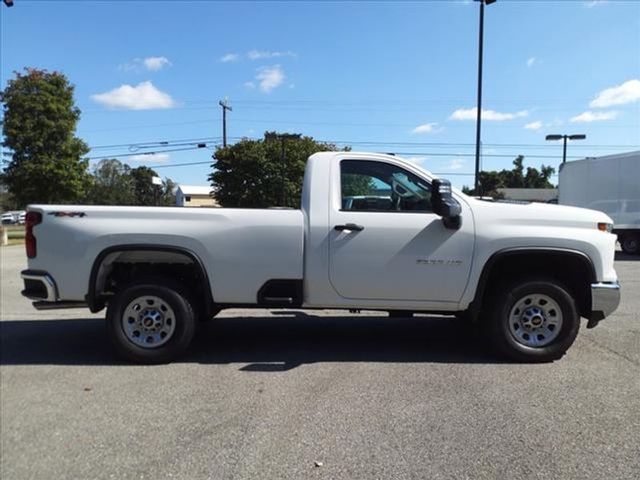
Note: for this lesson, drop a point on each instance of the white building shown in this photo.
(195, 196)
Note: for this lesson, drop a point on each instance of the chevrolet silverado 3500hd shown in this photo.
(373, 232)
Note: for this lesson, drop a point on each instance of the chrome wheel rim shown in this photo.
(535, 320)
(148, 322)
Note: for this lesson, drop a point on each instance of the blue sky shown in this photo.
(391, 77)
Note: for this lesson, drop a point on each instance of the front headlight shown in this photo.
(605, 227)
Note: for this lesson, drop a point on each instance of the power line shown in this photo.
(190, 141)
(153, 143)
(312, 123)
(128, 154)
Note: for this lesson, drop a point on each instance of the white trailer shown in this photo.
(610, 184)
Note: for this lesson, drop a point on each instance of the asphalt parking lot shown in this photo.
(289, 394)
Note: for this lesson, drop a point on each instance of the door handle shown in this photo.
(349, 226)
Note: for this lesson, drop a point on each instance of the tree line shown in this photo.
(47, 160)
(491, 181)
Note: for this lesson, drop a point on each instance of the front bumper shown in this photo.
(605, 298)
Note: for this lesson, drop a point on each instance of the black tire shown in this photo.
(630, 244)
(183, 327)
(500, 325)
(400, 314)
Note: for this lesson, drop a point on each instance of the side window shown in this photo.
(369, 186)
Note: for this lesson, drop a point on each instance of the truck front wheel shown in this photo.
(151, 322)
(533, 320)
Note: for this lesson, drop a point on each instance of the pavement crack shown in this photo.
(611, 350)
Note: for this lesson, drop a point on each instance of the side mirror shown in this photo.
(444, 204)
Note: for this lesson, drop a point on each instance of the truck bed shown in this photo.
(240, 248)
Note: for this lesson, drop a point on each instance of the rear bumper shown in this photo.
(605, 298)
(39, 285)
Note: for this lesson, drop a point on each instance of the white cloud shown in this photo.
(456, 164)
(531, 61)
(262, 54)
(230, 57)
(152, 64)
(269, 78)
(144, 96)
(151, 158)
(593, 3)
(627, 92)
(156, 63)
(588, 116)
(250, 85)
(426, 128)
(537, 125)
(490, 115)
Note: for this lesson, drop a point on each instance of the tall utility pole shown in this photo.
(479, 102)
(225, 106)
(283, 170)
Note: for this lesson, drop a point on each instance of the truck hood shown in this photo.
(537, 214)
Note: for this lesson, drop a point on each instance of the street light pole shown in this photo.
(479, 100)
(564, 138)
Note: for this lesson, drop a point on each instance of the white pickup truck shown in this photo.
(374, 232)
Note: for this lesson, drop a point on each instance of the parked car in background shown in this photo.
(22, 216)
(8, 218)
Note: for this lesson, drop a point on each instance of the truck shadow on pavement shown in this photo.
(263, 344)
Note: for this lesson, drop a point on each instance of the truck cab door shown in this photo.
(385, 242)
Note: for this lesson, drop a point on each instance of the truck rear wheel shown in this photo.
(533, 320)
(630, 244)
(150, 322)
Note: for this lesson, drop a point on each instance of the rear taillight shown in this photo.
(32, 219)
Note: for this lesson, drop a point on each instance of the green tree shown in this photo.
(112, 184)
(168, 193)
(116, 183)
(491, 181)
(6, 200)
(143, 187)
(40, 119)
(353, 185)
(251, 173)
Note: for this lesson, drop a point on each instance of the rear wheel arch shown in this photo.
(95, 299)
